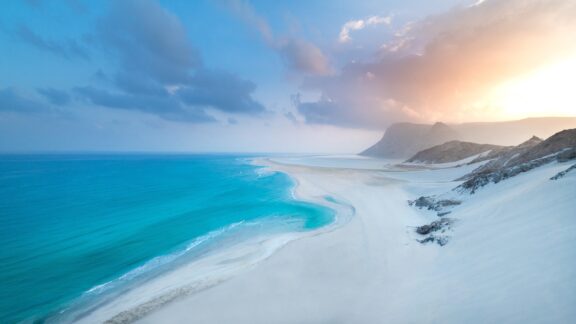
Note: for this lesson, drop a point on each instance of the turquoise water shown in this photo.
(70, 223)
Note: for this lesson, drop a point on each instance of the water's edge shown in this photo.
(214, 265)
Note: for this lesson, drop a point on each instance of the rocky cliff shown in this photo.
(405, 139)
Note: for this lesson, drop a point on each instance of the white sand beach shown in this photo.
(508, 259)
(288, 162)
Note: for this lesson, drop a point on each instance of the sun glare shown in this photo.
(550, 91)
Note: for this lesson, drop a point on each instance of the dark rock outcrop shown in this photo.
(431, 203)
(479, 180)
(562, 174)
(431, 231)
(434, 226)
(439, 239)
(505, 163)
(559, 147)
(563, 141)
(501, 158)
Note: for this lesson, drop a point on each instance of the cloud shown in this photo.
(245, 11)
(477, 3)
(291, 117)
(352, 25)
(149, 41)
(139, 84)
(351, 110)
(323, 112)
(222, 91)
(11, 100)
(54, 96)
(69, 49)
(302, 56)
(298, 54)
(160, 72)
(446, 63)
(166, 107)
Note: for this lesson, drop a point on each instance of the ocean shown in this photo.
(77, 228)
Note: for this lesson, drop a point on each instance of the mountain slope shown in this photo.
(405, 139)
(511, 257)
(452, 151)
(560, 147)
(500, 158)
(562, 141)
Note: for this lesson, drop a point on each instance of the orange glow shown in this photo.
(550, 91)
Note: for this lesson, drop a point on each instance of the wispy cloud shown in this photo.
(302, 56)
(436, 67)
(68, 49)
(221, 90)
(54, 96)
(148, 40)
(477, 3)
(298, 54)
(12, 100)
(245, 11)
(169, 108)
(359, 24)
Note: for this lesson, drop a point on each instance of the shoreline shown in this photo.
(205, 272)
(343, 211)
(338, 242)
(372, 269)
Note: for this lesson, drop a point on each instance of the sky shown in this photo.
(273, 76)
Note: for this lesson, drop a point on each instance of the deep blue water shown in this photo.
(69, 223)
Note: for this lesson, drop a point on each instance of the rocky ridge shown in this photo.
(531, 154)
(502, 164)
(453, 151)
(403, 140)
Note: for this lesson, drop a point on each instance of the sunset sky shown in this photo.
(273, 76)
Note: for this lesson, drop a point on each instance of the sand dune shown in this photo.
(510, 257)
